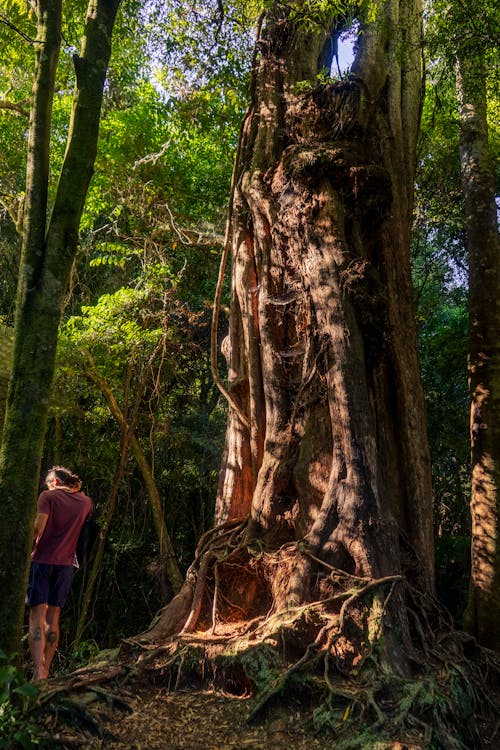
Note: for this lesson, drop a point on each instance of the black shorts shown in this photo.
(49, 584)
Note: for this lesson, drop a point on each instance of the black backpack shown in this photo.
(86, 546)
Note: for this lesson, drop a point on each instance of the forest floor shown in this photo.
(141, 714)
(153, 718)
(197, 693)
(83, 712)
(203, 720)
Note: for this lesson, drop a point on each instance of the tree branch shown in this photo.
(217, 301)
(14, 107)
(10, 25)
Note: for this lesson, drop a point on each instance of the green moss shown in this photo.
(261, 664)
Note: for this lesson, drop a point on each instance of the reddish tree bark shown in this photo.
(322, 343)
(326, 445)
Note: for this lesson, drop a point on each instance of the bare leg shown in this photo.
(36, 640)
(51, 635)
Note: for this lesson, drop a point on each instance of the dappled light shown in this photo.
(484, 526)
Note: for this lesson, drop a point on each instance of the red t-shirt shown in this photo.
(66, 512)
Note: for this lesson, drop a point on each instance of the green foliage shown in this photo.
(17, 32)
(152, 351)
(424, 711)
(159, 193)
(473, 30)
(323, 78)
(151, 236)
(17, 699)
(473, 26)
(196, 47)
(151, 241)
(83, 654)
(179, 158)
(439, 213)
(318, 15)
(315, 15)
(114, 324)
(15, 91)
(443, 341)
(262, 665)
(440, 276)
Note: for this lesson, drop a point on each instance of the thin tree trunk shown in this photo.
(166, 547)
(48, 251)
(483, 611)
(105, 520)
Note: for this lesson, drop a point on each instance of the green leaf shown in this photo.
(27, 691)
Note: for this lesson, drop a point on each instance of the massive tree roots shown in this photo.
(372, 663)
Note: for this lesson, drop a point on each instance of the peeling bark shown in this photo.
(322, 340)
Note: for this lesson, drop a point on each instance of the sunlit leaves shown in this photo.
(439, 202)
(162, 181)
(17, 25)
(451, 25)
(17, 33)
(199, 44)
(124, 320)
(16, 29)
(472, 25)
(317, 15)
(112, 254)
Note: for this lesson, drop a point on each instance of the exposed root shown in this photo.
(182, 613)
(332, 653)
(335, 654)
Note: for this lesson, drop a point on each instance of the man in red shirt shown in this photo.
(61, 513)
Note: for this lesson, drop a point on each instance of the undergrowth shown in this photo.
(374, 713)
(375, 664)
(17, 699)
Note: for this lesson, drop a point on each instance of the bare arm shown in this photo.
(40, 521)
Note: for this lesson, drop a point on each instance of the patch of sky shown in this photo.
(345, 53)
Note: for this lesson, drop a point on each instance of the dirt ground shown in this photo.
(193, 720)
(151, 698)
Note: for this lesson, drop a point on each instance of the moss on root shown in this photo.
(334, 666)
(374, 665)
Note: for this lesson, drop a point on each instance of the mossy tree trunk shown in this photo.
(49, 247)
(483, 248)
(326, 444)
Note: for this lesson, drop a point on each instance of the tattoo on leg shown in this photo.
(51, 637)
(37, 635)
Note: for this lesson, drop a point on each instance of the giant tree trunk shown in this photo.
(326, 447)
(48, 251)
(322, 342)
(483, 247)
